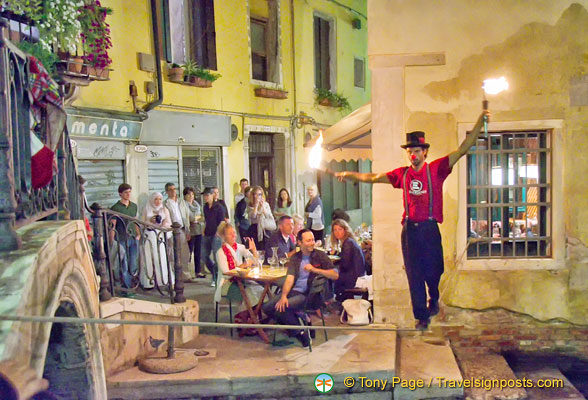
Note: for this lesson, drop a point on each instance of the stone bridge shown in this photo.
(53, 275)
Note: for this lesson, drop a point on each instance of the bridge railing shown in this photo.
(20, 203)
(132, 255)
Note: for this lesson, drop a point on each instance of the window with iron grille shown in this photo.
(202, 167)
(509, 196)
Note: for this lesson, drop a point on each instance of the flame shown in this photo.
(316, 153)
(495, 86)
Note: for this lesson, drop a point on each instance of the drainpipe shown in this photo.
(150, 106)
(293, 176)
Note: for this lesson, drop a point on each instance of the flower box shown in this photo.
(199, 82)
(271, 93)
(97, 74)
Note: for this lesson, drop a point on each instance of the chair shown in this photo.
(230, 311)
(314, 301)
(226, 297)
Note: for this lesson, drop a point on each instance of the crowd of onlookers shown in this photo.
(208, 238)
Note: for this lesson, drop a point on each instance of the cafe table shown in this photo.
(265, 276)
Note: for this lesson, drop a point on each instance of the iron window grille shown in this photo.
(509, 196)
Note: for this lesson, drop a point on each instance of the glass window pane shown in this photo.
(495, 142)
(258, 37)
(471, 169)
(507, 142)
(507, 178)
(496, 196)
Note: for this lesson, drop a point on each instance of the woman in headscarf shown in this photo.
(261, 217)
(156, 261)
(314, 213)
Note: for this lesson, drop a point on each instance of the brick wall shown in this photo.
(503, 331)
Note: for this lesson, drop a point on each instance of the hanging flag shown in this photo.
(41, 163)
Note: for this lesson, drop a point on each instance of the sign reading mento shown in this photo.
(104, 128)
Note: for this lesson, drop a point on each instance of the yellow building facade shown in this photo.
(216, 135)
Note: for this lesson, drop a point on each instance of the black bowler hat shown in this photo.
(415, 139)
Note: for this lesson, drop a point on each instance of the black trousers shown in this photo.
(423, 260)
(288, 316)
(195, 246)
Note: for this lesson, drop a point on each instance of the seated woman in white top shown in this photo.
(156, 261)
(233, 255)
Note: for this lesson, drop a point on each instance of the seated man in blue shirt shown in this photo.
(303, 267)
(282, 239)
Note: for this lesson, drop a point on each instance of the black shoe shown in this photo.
(422, 324)
(303, 338)
(433, 308)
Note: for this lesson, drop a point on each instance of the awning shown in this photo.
(350, 138)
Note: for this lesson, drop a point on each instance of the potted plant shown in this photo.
(176, 73)
(270, 93)
(325, 97)
(59, 29)
(199, 76)
(95, 35)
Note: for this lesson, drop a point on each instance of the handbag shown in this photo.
(356, 312)
(243, 317)
(268, 224)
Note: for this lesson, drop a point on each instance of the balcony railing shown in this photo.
(125, 263)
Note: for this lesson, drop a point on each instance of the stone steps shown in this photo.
(247, 368)
(421, 362)
(483, 369)
(567, 392)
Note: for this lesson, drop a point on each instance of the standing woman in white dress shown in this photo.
(156, 214)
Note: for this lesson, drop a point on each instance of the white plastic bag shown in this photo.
(356, 312)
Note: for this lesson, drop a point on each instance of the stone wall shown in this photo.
(428, 64)
(124, 344)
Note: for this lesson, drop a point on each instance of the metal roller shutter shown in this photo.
(103, 178)
(202, 168)
(162, 172)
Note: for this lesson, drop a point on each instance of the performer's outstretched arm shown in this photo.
(368, 177)
(469, 141)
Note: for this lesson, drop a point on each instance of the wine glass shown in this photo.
(283, 261)
(260, 257)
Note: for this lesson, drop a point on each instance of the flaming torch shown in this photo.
(492, 86)
(316, 156)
